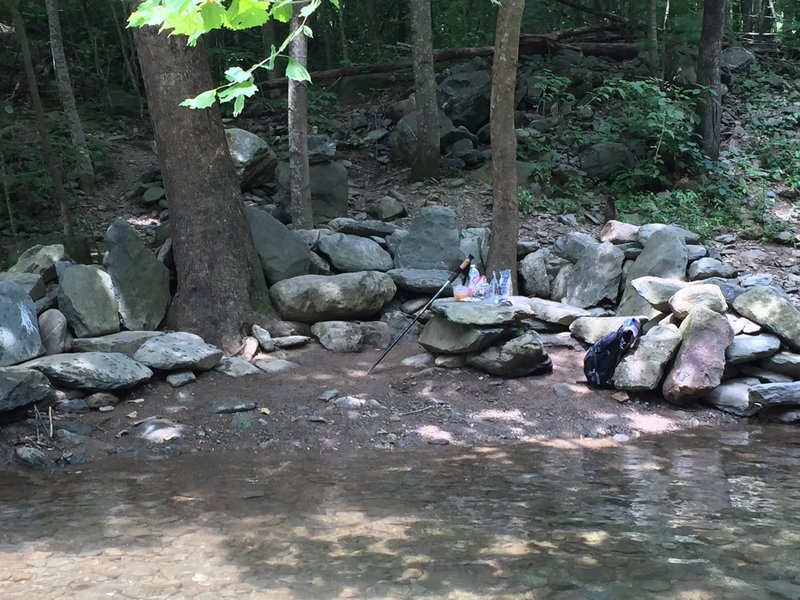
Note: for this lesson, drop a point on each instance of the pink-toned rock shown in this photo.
(618, 232)
(53, 331)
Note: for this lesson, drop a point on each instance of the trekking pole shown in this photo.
(462, 268)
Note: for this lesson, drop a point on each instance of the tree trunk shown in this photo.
(505, 212)
(221, 287)
(652, 38)
(299, 179)
(268, 40)
(51, 160)
(342, 32)
(708, 76)
(426, 159)
(85, 170)
(128, 59)
(373, 29)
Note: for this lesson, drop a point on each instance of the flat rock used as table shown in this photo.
(479, 313)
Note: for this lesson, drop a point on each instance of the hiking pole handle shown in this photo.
(462, 268)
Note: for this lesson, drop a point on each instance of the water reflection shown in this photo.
(705, 515)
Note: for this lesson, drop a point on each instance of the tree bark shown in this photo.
(299, 178)
(652, 38)
(221, 286)
(342, 32)
(708, 76)
(51, 160)
(426, 159)
(505, 212)
(86, 178)
(373, 29)
(268, 40)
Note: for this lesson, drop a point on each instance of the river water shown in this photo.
(708, 514)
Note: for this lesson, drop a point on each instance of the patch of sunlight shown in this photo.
(542, 545)
(650, 423)
(417, 559)
(514, 415)
(144, 221)
(603, 415)
(579, 443)
(432, 432)
(506, 545)
(594, 538)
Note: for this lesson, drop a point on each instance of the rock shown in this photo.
(291, 341)
(283, 253)
(465, 96)
(618, 232)
(696, 252)
(276, 367)
(710, 267)
(88, 300)
(100, 400)
(312, 298)
(124, 342)
(773, 313)
(34, 458)
(432, 241)
(441, 336)
(421, 281)
(664, 255)
(377, 334)
(647, 231)
(351, 253)
(180, 378)
(776, 394)
(479, 313)
(595, 276)
(319, 266)
(573, 245)
(40, 260)
(365, 228)
(254, 161)
(265, 341)
(236, 366)
(329, 191)
(339, 336)
(158, 431)
(19, 331)
(141, 281)
(748, 348)
(606, 159)
(785, 363)
(321, 148)
(554, 312)
(418, 361)
(533, 272)
(742, 325)
(658, 290)
(685, 299)
(644, 367)
(153, 195)
(733, 396)
(700, 361)
(735, 58)
(21, 387)
(178, 351)
(385, 208)
(91, 370)
(764, 375)
(53, 331)
(591, 329)
(32, 283)
(519, 357)
(450, 361)
(403, 141)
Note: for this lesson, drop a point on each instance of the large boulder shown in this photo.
(283, 253)
(362, 227)
(329, 189)
(253, 159)
(533, 273)
(352, 253)
(595, 276)
(553, 312)
(606, 159)
(421, 281)
(519, 357)
(432, 241)
(21, 387)
(19, 330)
(442, 336)
(700, 362)
(178, 351)
(762, 305)
(91, 370)
(339, 336)
(748, 348)
(312, 298)
(88, 300)
(785, 363)
(776, 394)
(141, 281)
(733, 396)
(30, 282)
(685, 299)
(466, 96)
(403, 141)
(40, 260)
(644, 368)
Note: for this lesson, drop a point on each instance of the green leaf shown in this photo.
(309, 8)
(282, 11)
(335, 3)
(237, 75)
(296, 71)
(245, 88)
(238, 106)
(307, 31)
(213, 15)
(204, 100)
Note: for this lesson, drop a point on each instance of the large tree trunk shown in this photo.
(708, 76)
(505, 213)
(221, 287)
(426, 159)
(299, 178)
(53, 169)
(85, 170)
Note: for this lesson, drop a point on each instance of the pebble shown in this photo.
(621, 438)
(180, 378)
(234, 406)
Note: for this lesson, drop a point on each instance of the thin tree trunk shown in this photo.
(342, 32)
(221, 287)
(652, 38)
(300, 207)
(373, 29)
(426, 159)
(505, 212)
(268, 40)
(86, 178)
(50, 158)
(708, 76)
(129, 60)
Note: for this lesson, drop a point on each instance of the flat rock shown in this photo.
(40, 260)
(618, 232)
(658, 290)
(685, 299)
(776, 394)
(181, 378)
(441, 336)
(291, 341)
(421, 281)
(550, 311)
(236, 366)
(275, 367)
(363, 228)
(339, 336)
(733, 396)
(124, 342)
(21, 387)
(775, 314)
(522, 356)
(92, 370)
(178, 351)
(748, 348)
(786, 363)
(647, 231)
(479, 313)
(32, 283)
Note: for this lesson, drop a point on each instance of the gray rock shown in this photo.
(700, 361)
(265, 341)
(123, 342)
(21, 387)
(595, 277)
(475, 241)
(775, 314)
(748, 348)
(236, 366)
(40, 260)
(351, 253)
(753, 280)
(178, 351)
(644, 368)
(735, 58)
(312, 298)
(276, 367)
(329, 191)
(421, 281)
(283, 253)
(432, 241)
(533, 272)
(554, 312)
(618, 232)
(88, 300)
(403, 141)
(685, 299)
(385, 208)
(647, 231)
(49, 300)
(158, 431)
(141, 281)
(572, 246)
(591, 329)
(785, 363)
(319, 266)
(441, 336)
(742, 325)
(763, 375)
(465, 98)
(479, 313)
(101, 400)
(180, 378)
(776, 394)
(53, 331)
(153, 195)
(253, 159)
(32, 283)
(339, 336)
(606, 159)
(710, 267)
(733, 396)
(19, 339)
(34, 458)
(418, 361)
(321, 148)
(363, 228)
(519, 357)
(291, 341)
(658, 290)
(377, 334)
(91, 370)
(696, 252)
